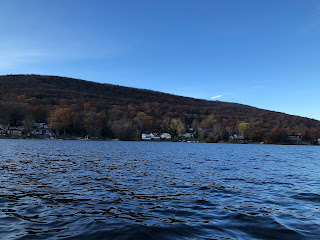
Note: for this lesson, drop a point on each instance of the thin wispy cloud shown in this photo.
(16, 58)
(17, 55)
(215, 97)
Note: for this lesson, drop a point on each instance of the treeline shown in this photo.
(79, 108)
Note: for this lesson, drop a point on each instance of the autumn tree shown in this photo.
(257, 133)
(244, 129)
(37, 113)
(4, 114)
(231, 128)
(208, 122)
(28, 124)
(140, 120)
(149, 123)
(61, 119)
(177, 126)
(93, 123)
(124, 129)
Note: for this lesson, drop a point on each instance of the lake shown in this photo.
(158, 190)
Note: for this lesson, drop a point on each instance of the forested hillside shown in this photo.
(78, 108)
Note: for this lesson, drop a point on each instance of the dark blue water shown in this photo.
(155, 190)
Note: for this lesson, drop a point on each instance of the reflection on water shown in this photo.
(155, 190)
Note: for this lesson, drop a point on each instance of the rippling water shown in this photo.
(156, 190)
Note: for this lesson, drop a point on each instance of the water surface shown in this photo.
(158, 190)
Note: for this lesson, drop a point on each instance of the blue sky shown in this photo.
(263, 53)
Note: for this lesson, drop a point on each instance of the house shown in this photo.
(42, 132)
(295, 139)
(154, 136)
(151, 136)
(15, 131)
(41, 125)
(42, 129)
(236, 137)
(165, 136)
(186, 136)
(146, 136)
(3, 130)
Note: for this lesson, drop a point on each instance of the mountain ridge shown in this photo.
(48, 92)
(143, 90)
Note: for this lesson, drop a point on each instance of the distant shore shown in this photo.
(140, 140)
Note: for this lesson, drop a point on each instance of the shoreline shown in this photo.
(117, 140)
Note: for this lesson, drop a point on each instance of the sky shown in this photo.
(262, 53)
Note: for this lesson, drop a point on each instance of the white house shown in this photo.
(146, 136)
(151, 136)
(237, 137)
(165, 136)
(154, 136)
